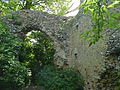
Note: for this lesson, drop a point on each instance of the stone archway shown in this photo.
(90, 61)
(26, 20)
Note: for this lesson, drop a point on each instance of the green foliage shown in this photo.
(117, 87)
(102, 18)
(50, 78)
(37, 47)
(36, 51)
(13, 75)
(59, 7)
(54, 6)
(45, 76)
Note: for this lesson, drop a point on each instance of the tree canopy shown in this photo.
(52, 6)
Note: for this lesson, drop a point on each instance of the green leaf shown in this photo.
(113, 4)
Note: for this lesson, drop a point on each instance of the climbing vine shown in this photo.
(102, 18)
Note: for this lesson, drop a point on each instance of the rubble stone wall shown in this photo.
(94, 63)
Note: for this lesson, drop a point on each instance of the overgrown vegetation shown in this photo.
(31, 61)
(118, 82)
(36, 51)
(13, 74)
(49, 78)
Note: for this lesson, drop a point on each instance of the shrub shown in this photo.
(117, 86)
(13, 75)
(50, 78)
(68, 79)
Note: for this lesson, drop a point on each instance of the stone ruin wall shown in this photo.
(99, 64)
(52, 25)
(92, 62)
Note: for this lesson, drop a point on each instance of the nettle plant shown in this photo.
(102, 18)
